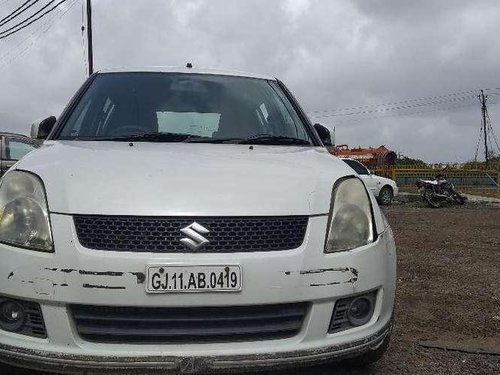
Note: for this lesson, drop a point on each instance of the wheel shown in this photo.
(460, 199)
(430, 199)
(385, 196)
(369, 357)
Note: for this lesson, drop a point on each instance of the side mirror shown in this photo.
(324, 134)
(40, 129)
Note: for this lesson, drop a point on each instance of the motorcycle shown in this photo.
(439, 190)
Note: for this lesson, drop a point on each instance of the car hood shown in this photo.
(162, 179)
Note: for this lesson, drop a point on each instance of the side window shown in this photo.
(16, 149)
(285, 114)
(358, 167)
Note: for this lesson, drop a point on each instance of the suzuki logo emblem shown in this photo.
(194, 239)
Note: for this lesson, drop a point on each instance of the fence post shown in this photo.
(498, 184)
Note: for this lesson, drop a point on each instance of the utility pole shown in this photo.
(482, 99)
(89, 37)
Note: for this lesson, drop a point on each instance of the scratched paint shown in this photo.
(324, 271)
(325, 284)
(141, 277)
(100, 273)
(91, 286)
(68, 270)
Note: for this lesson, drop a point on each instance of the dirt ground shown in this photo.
(448, 294)
(448, 290)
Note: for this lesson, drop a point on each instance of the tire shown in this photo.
(385, 196)
(429, 198)
(460, 199)
(369, 357)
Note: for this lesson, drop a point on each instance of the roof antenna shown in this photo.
(189, 65)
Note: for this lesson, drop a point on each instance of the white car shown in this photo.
(189, 221)
(383, 188)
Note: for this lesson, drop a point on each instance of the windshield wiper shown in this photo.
(199, 139)
(144, 137)
(263, 139)
(269, 139)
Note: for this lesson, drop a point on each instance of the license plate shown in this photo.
(164, 279)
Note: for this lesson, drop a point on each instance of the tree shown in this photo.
(402, 160)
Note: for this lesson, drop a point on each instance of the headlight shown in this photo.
(24, 216)
(351, 220)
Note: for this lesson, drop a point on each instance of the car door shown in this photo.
(13, 150)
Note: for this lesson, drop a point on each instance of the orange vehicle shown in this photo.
(369, 156)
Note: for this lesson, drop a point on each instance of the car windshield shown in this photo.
(178, 107)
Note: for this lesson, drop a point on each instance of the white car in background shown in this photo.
(383, 188)
(189, 221)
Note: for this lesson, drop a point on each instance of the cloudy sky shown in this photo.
(344, 60)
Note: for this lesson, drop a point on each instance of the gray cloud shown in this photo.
(332, 54)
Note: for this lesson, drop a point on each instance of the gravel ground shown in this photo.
(448, 293)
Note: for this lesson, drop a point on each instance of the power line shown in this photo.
(27, 19)
(20, 50)
(14, 11)
(396, 102)
(397, 108)
(37, 33)
(33, 20)
(471, 91)
(17, 12)
(360, 119)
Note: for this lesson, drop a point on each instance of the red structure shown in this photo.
(370, 156)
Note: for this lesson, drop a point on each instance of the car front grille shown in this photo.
(188, 324)
(34, 325)
(162, 234)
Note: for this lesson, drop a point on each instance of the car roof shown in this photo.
(173, 69)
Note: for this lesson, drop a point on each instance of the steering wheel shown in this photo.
(129, 130)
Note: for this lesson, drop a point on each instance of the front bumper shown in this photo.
(81, 364)
(58, 280)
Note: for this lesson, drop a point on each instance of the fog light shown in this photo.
(12, 316)
(360, 311)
